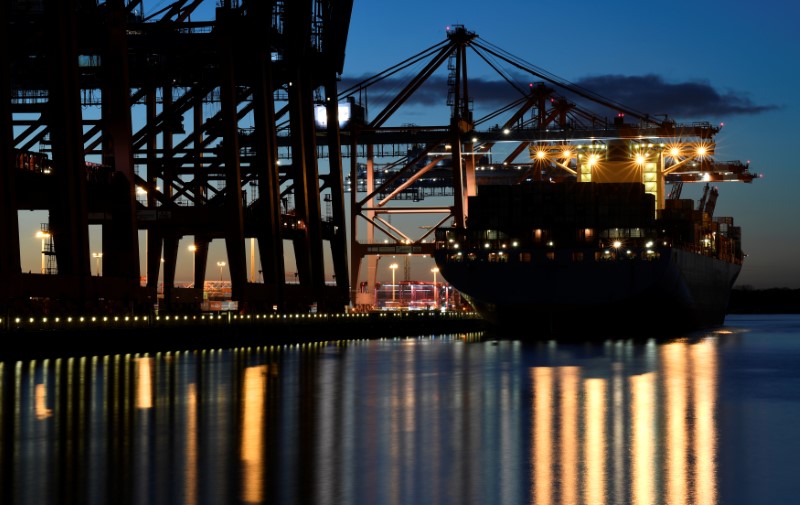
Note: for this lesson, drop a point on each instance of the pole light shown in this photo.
(160, 282)
(435, 271)
(193, 249)
(44, 235)
(221, 265)
(393, 267)
(97, 257)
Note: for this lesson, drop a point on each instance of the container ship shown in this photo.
(588, 242)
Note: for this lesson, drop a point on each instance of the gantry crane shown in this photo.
(194, 118)
(552, 130)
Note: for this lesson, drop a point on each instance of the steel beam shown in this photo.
(196, 84)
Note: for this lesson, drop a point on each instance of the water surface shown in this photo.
(708, 418)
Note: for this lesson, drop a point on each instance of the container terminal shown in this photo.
(225, 121)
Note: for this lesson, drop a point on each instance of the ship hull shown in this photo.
(678, 291)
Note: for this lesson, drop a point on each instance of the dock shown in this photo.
(38, 337)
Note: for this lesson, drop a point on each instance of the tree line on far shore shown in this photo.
(746, 300)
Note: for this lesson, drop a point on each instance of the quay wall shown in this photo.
(91, 335)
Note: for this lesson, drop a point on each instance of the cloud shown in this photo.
(649, 94)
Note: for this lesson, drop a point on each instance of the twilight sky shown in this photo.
(724, 62)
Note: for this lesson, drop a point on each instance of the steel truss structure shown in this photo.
(136, 120)
(548, 131)
(193, 120)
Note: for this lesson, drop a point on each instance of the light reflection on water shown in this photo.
(447, 420)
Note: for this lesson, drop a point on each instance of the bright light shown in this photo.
(321, 115)
(97, 256)
(43, 235)
(193, 249)
(393, 267)
(435, 270)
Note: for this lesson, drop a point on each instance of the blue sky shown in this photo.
(725, 62)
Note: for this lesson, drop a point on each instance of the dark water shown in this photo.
(711, 418)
